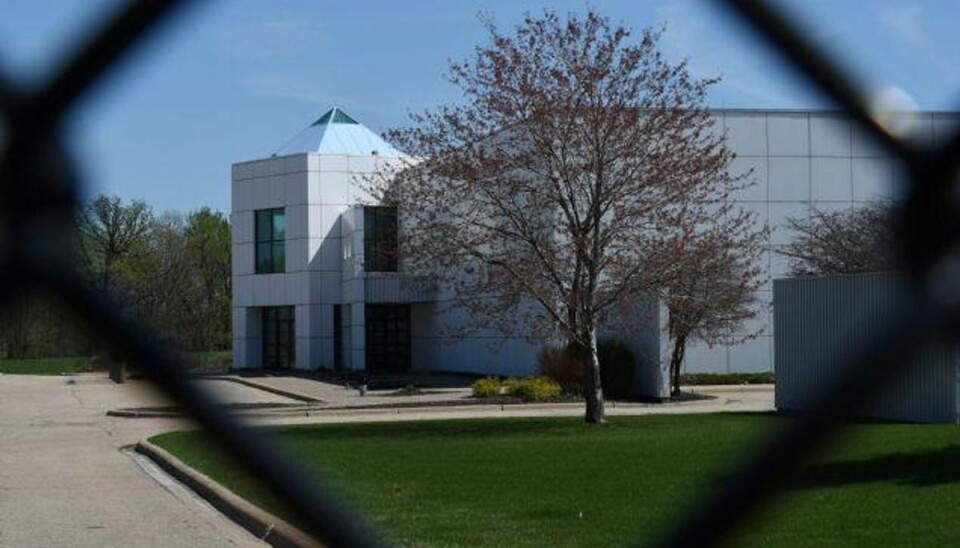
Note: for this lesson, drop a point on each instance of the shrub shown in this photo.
(527, 389)
(617, 367)
(487, 387)
(510, 385)
(617, 364)
(534, 389)
(563, 366)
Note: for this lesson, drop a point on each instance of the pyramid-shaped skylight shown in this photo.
(337, 133)
(336, 116)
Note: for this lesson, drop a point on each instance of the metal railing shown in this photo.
(38, 202)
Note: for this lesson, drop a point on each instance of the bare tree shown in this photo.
(109, 232)
(37, 326)
(161, 278)
(714, 289)
(841, 242)
(560, 188)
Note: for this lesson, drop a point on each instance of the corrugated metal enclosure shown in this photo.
(821, 321)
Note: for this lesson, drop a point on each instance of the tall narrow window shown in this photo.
(271, 232)
(337, 337)
(387, 337)
(380, 239)
(278, 336)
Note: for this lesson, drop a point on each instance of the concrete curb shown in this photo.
(138, 414)
(251, 411)
(261, 524)
(408, 407)
(271, 389)
(711, 388)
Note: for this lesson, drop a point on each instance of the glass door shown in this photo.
(278, 337)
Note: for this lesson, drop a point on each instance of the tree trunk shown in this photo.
(676, 360)
(593, 389)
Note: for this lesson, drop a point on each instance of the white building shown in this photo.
(311, 291)
(297, 292)
(801, 161)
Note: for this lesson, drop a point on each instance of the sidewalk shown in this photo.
(65, 482)
(339, 404)
(328, 394)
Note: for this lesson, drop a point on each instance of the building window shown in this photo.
(278, 337)
(380, 239)
(338, 337)
(271, 233)
(387, 337)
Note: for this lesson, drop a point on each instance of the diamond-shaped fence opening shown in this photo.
(38, 200)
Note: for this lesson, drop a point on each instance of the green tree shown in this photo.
(208, 254)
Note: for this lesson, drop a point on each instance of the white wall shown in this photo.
(314, 190)
(801, 161)
(825, 322)
(486, 352)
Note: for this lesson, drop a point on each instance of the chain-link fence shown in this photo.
(38, 202)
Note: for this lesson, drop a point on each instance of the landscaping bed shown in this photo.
(559, 482)
(696, 379)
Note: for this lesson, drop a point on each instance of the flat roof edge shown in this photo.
(826, 111)
(281, 157)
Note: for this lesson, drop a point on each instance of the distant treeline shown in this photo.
(169, 271)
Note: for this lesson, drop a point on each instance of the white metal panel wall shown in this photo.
(642, 326)
(800, 161)
(822, 321)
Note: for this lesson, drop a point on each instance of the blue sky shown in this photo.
(234, 79)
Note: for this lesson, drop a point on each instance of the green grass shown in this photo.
(525, 482)
(44, 366)
(84, 364)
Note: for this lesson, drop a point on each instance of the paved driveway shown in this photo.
(65, 482)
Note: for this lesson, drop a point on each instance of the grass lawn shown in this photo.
(558, 482)
(44, 366)
(81, 364)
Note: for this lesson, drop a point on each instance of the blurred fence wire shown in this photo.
(38, 202)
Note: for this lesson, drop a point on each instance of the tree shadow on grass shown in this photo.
(921, 469)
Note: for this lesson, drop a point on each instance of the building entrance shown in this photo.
(388, 338)
(278, 337)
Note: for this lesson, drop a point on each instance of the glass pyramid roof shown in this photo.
(337, 133)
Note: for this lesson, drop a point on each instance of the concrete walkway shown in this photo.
(329, 394)
(300, 400)
(233, 393)
(65, 482)
(338, 404)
